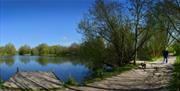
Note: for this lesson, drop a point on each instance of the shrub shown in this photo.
(175, 82)
(71, 81)
(176, 47)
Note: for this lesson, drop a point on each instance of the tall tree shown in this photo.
(93, 50)
(139, 9)
(167, 12)
(10, 49)
(106, 20)
(55, 50)
(25, 49)
(2, 51)
(34, 51)
(43, 49)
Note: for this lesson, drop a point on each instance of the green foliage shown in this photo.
(156, 45)
(43, 49)
(144, 54)
(106, 21)
(93, 50)
(8, 49)
(171, 49)
(98, 73)
(71, 81)
(163, 24)
(175, 82)
(176, 47)
(24, 50)
(55, 50)
(1, 83)
(2, 51)
(34, 51)
(71, 51)
(167, 15)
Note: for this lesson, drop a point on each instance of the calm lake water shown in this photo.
(62, 67)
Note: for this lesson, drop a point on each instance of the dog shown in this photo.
(143, 65)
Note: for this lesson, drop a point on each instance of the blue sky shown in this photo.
(41, 21)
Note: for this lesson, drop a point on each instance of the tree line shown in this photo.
(8, 49)
(40, 50)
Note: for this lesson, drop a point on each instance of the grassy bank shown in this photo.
(175, 82)
(1, 82)
(100, 74)
(0, 85)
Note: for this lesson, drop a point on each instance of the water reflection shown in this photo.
(7, 60)
(43, 61)
(62, 67)
(25, 60)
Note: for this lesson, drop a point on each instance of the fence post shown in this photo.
(17, 70)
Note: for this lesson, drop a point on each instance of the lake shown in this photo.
(62, 67)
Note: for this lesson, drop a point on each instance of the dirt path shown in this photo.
(155, 77)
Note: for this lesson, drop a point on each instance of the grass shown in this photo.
(175, 82)
(1, 82)
(0, 85)
(100, 74)
(71, 81)
(152, 59)
(157, 58)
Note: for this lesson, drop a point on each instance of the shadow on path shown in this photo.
(155, 78)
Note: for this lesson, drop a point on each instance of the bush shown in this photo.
(177, 48)
(1, 82)
(9, 49)
(24, 50)
(144, 54)
(175, 82)
(71, 81)
(98, 73)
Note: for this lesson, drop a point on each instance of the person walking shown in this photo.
(165, 55)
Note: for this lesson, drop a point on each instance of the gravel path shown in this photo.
(155, 77)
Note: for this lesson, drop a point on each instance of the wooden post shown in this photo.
(17, 70)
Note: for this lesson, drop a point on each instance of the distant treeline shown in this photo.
(8, 49)
(40, 50)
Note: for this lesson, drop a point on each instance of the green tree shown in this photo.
(43, 49)
(34, 51)
(25, 49)
(2, 51)
(176, 47)
(163, 21)
(10, 49)
(166, 13)
(73, 49)
(106, 20)
(93, 50)
(139, 11)
(55, 50)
